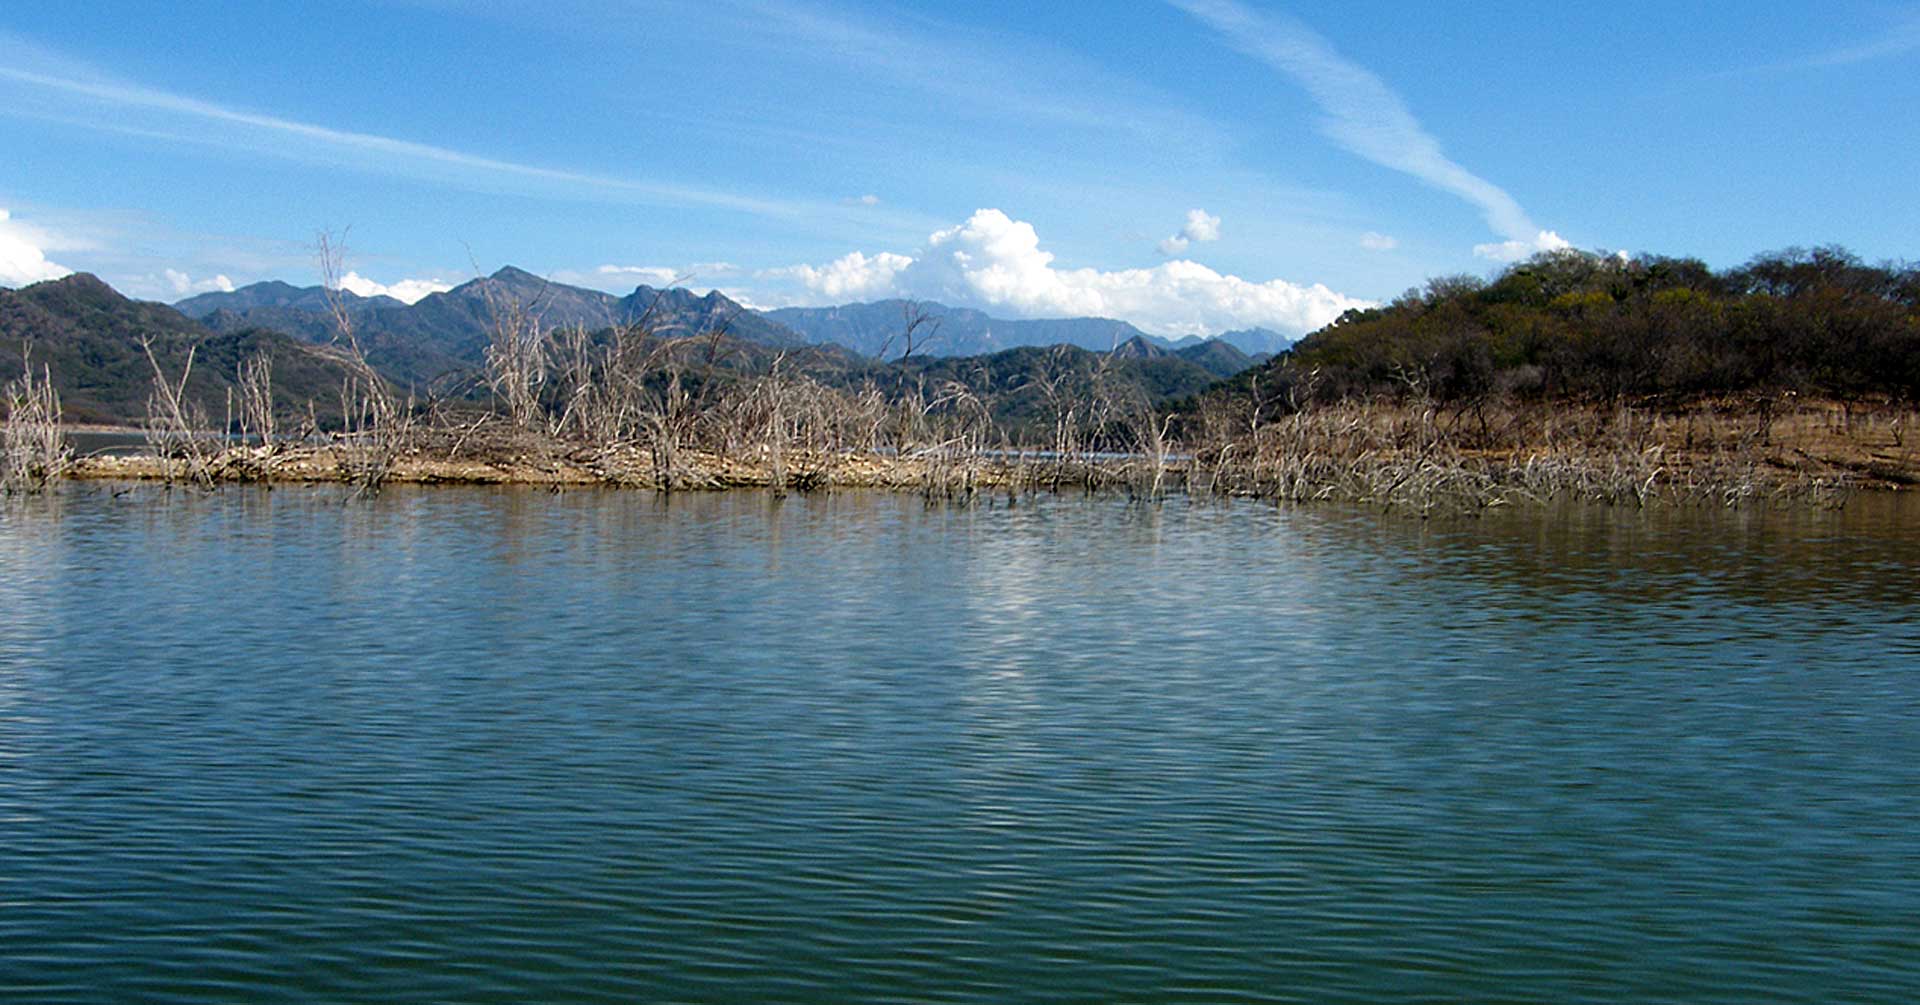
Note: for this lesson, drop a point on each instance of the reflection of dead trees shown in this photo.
(32, 450)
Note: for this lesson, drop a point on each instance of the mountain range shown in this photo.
(446, 332)
(90, 337)
(876, 328)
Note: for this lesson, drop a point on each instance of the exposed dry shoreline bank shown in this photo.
(618, 468)
(1395, 455)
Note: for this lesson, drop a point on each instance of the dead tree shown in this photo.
(33, 451)
(376, 424)
(918, 327)
(517, 352)
(175, 425)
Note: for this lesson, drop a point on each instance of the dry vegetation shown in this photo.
(789, 433)
(635, 404)
(33, 450)
(1417, 455)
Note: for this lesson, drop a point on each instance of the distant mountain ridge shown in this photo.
(88, 337)
(1217, 357)
(1256, 342)
(273, 293)
(447, 333)
(872, 327)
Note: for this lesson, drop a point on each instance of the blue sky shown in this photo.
(1189, 165)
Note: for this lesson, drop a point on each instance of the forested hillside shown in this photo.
(1571, 324)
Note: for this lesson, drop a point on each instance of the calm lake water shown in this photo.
(461, 745)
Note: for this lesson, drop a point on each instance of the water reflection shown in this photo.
(608, 745)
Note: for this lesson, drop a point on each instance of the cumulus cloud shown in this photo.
(184, 284)
(1359, 111)
(1200, 227)
(851, 277)
(995, 263)
(1373, 241)
(1514, 251)
(406, 291)
(23, 259)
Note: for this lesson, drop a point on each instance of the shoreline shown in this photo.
(625, 469)
(1395, 455)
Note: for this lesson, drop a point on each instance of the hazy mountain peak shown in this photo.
(515, 274)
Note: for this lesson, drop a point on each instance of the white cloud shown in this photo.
(1374, 241)
(851, 277)
(1514, 251)
(865, 200)
(184, 285)
(1200, 227)
(995, 263)
(1359, 111)
(657, 275)
(22, 258)
(648, 275)
(621, 279)
(406, 291)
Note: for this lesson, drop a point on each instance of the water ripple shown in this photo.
(506, 746)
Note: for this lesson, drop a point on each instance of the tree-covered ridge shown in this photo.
(90, 340)
(1570, 323)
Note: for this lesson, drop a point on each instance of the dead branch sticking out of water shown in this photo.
(33, 451)
(377, 426)
(176, 427)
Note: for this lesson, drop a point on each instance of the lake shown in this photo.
(473, 745)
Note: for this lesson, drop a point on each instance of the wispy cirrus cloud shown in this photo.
(622, 278)
(1900, 36)
(160, 114)
(1362, 114)
(1002, 76)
